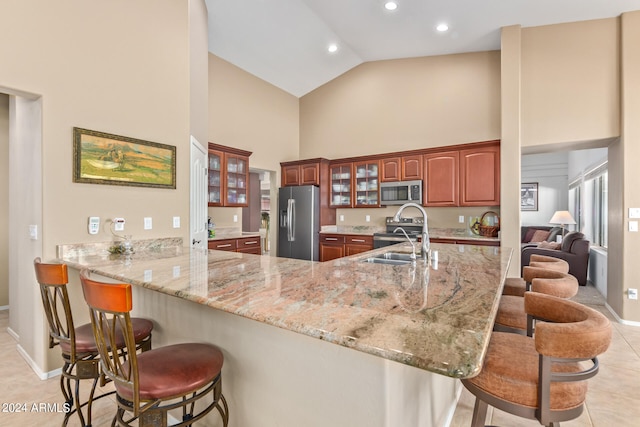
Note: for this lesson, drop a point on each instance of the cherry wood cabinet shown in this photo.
(228, 180)
(355, 244)
(303, 172)
(403, 168)
(366, 184)
(390, 169)
(441, 173)
(480, 176)
(247, 245)
(311, 172)
(331, 246)
(340, 194)
(334, 246)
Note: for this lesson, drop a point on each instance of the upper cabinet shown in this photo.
(340, 194)
(311, 172)
(366, 184)
(304, 172)
(228, 176)
(403, 168)
(441, 172)
(480, 176)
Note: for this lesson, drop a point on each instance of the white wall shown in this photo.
(4, 200)
(550, 171)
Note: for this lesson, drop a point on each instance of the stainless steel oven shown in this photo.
(412, 226)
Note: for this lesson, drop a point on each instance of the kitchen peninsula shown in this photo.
(417, 328)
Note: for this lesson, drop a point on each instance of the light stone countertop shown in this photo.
(438, 318)
(434, 232)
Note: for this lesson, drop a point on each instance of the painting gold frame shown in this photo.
(104, 158)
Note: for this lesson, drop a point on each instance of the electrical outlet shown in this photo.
(633, 226)
(148, 275)
(235, 218)
(33, 232)
(148, 223)
(461, 219)
(176, 222)
(341, 218)
(632, 293)
(367, 218)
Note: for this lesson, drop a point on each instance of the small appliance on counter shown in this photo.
(411, 226)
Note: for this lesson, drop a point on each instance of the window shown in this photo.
(588, 203)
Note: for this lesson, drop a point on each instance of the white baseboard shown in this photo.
(13, 334)
(39, 372)
(619, 319)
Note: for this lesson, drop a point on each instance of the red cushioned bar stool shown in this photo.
(78, 347)
(150, 384)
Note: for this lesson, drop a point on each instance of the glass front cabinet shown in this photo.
(228, 176)
(366, 184)
(340, 195)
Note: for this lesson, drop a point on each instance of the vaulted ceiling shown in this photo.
(285, 42)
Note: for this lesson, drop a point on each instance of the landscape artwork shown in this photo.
(102, 158)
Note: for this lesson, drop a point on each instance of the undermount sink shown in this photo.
(392, 258)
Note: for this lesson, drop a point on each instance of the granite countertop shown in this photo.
(434, 233)
(438, 317)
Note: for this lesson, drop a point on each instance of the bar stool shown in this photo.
(78, 347)
(150, 384)
(511, 316)
(543, 377)
(518, 286)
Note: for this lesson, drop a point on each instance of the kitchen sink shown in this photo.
(391, 258)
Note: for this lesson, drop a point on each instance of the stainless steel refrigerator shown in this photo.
(299, 222)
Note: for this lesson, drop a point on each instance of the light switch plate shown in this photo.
(634, 212)
(94, 224)
(633, 225)
(33, 232)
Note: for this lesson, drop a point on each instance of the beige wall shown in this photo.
(404, 104)
(630, 40)
(132, 81)
(571, 82)
(251, 114)
(4, 200)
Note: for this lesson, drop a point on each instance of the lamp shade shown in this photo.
(562, 218)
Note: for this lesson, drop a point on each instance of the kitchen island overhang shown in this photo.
(437, 319)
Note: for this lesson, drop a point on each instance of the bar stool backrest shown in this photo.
(53, 279)
(109, 308)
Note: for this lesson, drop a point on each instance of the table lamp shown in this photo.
(562, 218)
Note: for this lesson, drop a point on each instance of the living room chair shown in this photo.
(574, 249)
(151, 384)
(548, 382)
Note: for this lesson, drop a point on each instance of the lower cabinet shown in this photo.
(334, 246)
(247, 245)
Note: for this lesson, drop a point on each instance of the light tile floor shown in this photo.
(613, 399)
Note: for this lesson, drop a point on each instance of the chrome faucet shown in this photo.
(426, 244)
(413, 247)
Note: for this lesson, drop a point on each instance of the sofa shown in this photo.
(574, 249)
(528, 232)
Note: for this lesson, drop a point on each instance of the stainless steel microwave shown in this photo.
(399, 193)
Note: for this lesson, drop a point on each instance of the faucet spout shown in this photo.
(413, 247)
(426, 244)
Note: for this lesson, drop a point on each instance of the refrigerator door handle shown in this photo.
(291, 213)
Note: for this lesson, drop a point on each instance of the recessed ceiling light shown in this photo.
(442, 27)
(333, 48)
(391, 5)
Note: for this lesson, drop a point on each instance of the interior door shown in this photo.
(198, 196)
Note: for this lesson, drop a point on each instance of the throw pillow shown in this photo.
(529, 235)
(539, 236)
(550, 245)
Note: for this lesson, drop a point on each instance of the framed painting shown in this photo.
(529, 196)
(103, 158)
